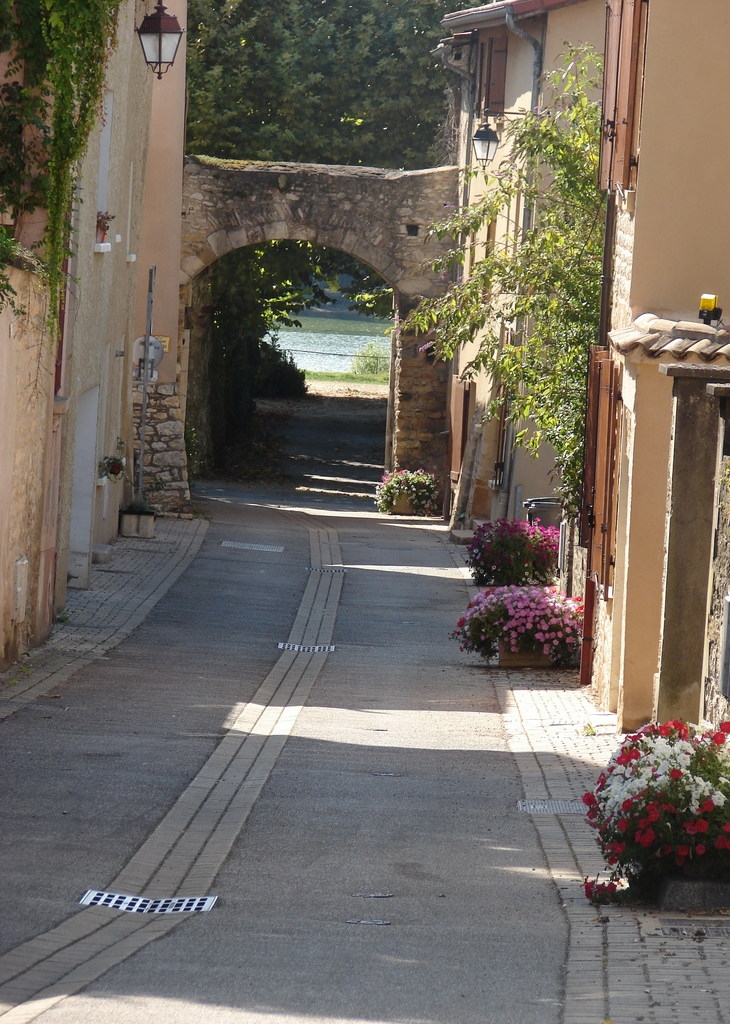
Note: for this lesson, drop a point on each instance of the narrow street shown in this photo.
(291, 730)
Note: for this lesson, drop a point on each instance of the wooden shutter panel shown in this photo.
(625, 32)
(599, 492)
(461, 412)
(587, 518)
(610, 83)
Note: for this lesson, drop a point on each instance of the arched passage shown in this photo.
(381, 217)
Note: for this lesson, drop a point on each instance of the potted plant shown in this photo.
(103, 223)
(408, 492)
(661, 809)
(525, 626)
(137, 519)
(504, 551)
(112, 466)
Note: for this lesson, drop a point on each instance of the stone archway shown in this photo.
(380, 217)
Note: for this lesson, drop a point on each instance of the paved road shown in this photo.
(355, 810)
(395, 779)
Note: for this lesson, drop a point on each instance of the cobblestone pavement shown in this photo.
(625, 964)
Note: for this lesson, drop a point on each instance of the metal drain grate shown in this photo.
(32, 705)
(141, 905)
(551, 806)
(694, 929)
(313, 569)
(306, 649)
(240, 546)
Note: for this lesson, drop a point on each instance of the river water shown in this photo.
(326, 344)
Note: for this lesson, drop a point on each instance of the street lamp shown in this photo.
(485, 144)
(160, 36)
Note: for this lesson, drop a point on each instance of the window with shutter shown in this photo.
(493, 73)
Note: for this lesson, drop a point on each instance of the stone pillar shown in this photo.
(688, 541)
(165, 465)
(420, 391)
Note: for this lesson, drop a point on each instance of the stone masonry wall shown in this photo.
(717, 707)
(166, 485)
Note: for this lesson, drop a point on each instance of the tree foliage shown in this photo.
(323, 81)
(533, 302)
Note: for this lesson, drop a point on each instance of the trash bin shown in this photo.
(549, 511)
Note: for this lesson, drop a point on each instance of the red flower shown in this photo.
(719, 738)
(725, 727)
(701, 825)
(700, 849)
(676, 773)
(645, 837)
(708, 806)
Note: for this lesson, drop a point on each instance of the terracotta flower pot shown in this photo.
(529, 657)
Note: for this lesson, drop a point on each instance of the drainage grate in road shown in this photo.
(240, 546)
(31, 705)
(694, 929)
(141, 905)
(551, 806)
(306, 649)
(314, 569)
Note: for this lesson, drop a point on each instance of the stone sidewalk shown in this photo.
(625, 965)
(94, 620)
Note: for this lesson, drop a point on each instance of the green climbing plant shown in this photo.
(58, 53)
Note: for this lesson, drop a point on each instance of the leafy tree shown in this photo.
(534, 301)
(325, 81)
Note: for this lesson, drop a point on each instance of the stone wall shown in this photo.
(379, 216)
(165, 464)
(419, 418)
(716, 706)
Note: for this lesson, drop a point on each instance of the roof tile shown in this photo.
(679, 339)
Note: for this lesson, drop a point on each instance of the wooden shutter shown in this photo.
(598, 518)
(460, 414)
(493, 74)
(623, 70)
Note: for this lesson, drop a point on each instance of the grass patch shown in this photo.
(348, 378)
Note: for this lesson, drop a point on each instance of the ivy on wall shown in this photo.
(58, 52)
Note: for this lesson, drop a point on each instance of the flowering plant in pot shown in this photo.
(522, 618)
(661, 808)
(112, 466)
(413, 490)
(504, 551)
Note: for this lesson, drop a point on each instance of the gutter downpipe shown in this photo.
(537, 65)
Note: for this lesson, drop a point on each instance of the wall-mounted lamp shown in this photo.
(160, 36)
(485, 144)
(709, 309)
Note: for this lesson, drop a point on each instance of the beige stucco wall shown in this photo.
(642, 497)
(681, 210)
(99, 330)
(26, 441)
(159, 243)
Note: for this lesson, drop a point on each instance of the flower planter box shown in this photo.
(137, 524)
(532, 657)
(691, 894)
(402, 506)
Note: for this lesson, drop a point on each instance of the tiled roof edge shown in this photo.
(680, 339)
